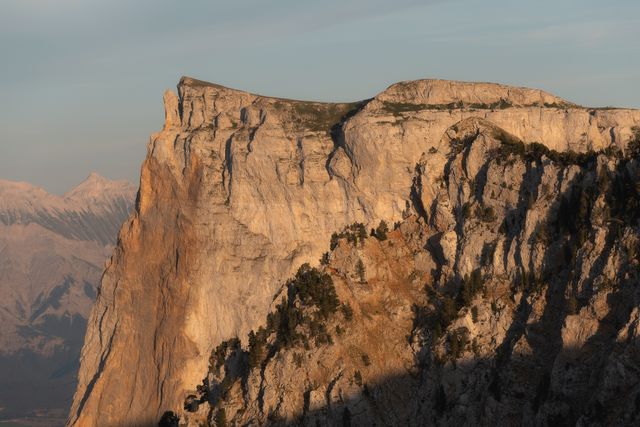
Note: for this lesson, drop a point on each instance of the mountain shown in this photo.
(239, 190)
(53, 251)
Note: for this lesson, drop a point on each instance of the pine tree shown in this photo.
(221, 418)
(381, 231)
(169, 419)
(362, 233)
(360, 271)
(256, 347)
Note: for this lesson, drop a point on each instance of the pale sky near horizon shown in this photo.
(81, 81)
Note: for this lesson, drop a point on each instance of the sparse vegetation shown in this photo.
(357, 378)
(314, 288)
(465, 210)
(471, 285)
(381, 231)
(347, 311)
(633, 147)
(298, 359)
(475, 348)
(324, 260)
(360, 271)
(355, 234)
(485, 214)
(474, 314)
(221, 418)
(494, 308)
(191, 403)
(488, 251)
(315, 116)
(497, 105)
(301, 316)
(435, 322)
(398, 108)
(542, 233)
(257, 347)
(366, 360)
(448, 312)
(458, 341)
(169, 419)
(555, 105)
(574, 215)
(534, 151)
(311, 299)
(573, 305)
(219, 354)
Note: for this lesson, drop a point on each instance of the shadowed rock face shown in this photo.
(238, 190)
(53, 250)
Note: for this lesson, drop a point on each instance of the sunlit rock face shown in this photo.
(53, 250)
(238, 190)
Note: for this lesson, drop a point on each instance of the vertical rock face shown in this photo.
(52, 254)
(238, 190)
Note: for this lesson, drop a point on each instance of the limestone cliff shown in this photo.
(238, 190)
(512, 299)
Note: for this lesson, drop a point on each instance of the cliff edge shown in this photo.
(238, 190)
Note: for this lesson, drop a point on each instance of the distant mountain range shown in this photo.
(52, 254)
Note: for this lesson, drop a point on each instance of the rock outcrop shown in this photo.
(53, 250)
(511, 299)
(238, 190)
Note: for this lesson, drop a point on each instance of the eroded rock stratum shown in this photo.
(239, 190)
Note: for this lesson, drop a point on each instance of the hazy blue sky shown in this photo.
(81, 81)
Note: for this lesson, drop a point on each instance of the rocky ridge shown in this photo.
(239, 190)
